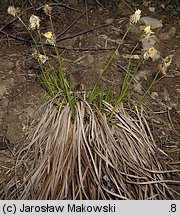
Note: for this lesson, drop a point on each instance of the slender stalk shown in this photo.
(91, 97)
(50, 66)
(127, 81)
(52, 26)
(40, 39)
(147, 91)
(34, 40)
(62, 78)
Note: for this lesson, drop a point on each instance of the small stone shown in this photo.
(5, 102)
(11, 81)
(90, 59)
(14, 133)
(3, 88)
(148, 42)
(30, 112)
(152, 9)
(168, 35)
(138, 88)
(142, 74)
(153, 22)
(109, 21)
(7, 64)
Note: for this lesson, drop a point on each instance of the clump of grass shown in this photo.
(54, 80)
(86, 158)
(84, 147)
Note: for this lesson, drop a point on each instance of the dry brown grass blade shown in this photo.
(85, 157)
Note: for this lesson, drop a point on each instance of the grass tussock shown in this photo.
(88, 148)
(89, 158)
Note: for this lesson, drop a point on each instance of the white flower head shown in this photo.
(47, 9)
(42, 58)
(13, 11)
(151, 53)
(135, 17)
(166, 62)
(34, 22)
(50, 38)
(38, 56)
(147, 31)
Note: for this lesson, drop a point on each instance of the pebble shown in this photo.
(148, 42)
(3, 88)
(30, 112)
(153, 22)
(167, 35)
(14, 133)
(6, 65)
(152, 9)
(137, 87)
(109, 21)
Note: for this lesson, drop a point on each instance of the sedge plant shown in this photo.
(54, 82)
(57, 86)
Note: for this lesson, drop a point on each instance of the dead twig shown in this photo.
(8, 23)
(15, 37)
(60, 5)
(87, 48)
(70, 26)
(82, 32)
(86, 12)
(128, 5)
(60, 47)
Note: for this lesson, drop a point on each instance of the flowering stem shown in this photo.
(28, 31)
(147, 91)
(127, 81)
(40, 38)
(50, 66)
(52, 26)
(63, 81)
(91, 97)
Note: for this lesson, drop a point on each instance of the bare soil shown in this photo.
(85, 49)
